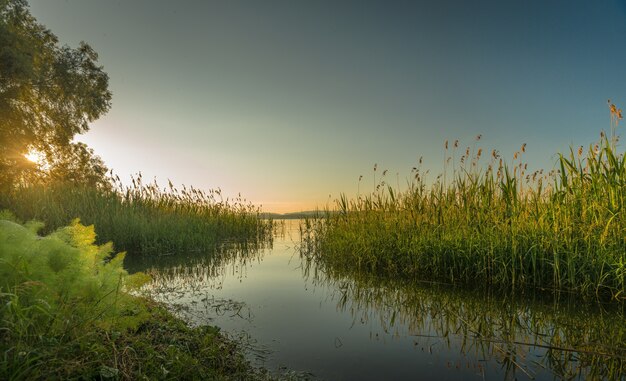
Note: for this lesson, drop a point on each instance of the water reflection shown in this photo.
(532, 336)
(290, 311)
(183, 281)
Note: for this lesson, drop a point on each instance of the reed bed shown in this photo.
(142, 218)
(486, 221)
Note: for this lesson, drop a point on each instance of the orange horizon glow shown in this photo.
(290, 207)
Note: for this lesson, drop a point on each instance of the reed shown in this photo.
(142, 218)
(492, 223)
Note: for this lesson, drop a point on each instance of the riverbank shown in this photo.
(162, 347)
(66, 312)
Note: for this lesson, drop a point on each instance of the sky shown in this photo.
(290, 102)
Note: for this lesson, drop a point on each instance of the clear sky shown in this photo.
(288, 102)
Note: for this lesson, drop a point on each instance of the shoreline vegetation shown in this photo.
(67, 313)
(490, 223)
(142, 218)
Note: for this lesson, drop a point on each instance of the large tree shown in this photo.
(48, 94)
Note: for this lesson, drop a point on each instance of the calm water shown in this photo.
(292, 315)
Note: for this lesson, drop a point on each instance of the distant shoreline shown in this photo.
(295, 215)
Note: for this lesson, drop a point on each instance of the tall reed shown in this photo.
(142, 218)
(492, 223)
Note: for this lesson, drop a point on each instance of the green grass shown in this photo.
(489, 222)
(143, 218)
(66, 313)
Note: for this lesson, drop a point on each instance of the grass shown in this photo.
(66, 313)
(486, 221)
(142, 218)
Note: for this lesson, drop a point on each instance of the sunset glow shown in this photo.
(36, 157)
(287, 105)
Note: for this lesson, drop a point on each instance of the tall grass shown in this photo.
(492, 223)
(142, 218)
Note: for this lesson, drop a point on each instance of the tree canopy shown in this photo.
(48, 94)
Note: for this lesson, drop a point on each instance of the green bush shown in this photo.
(64, 274)
(57, 290)
(65, 313)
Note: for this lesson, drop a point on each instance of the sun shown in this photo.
(35, 157)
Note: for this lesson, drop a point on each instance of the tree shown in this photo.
(78, 163)
(48, 94)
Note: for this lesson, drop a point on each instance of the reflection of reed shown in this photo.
(194, 272)
(185, 282)
(524, 334)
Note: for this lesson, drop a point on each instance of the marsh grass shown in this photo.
(142, 218)
(492, 223)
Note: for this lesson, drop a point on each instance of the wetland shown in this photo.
(292, 313)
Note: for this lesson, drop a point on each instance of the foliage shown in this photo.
(495, 225)
(143, 218)
(64, 269)
(65, 313)
(48, 94)
(59, 286)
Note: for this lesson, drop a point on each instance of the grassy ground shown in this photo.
(143, 218)
(490, 222)
(66, 313)
(161, 348)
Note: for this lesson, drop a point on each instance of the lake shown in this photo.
(297, 318)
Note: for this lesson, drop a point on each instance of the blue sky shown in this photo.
(289, 102)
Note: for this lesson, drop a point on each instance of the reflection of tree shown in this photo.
(524, 334)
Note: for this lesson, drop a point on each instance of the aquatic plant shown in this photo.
(492, 224)
(142, 218)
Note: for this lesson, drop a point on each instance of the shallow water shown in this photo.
(290, 314)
